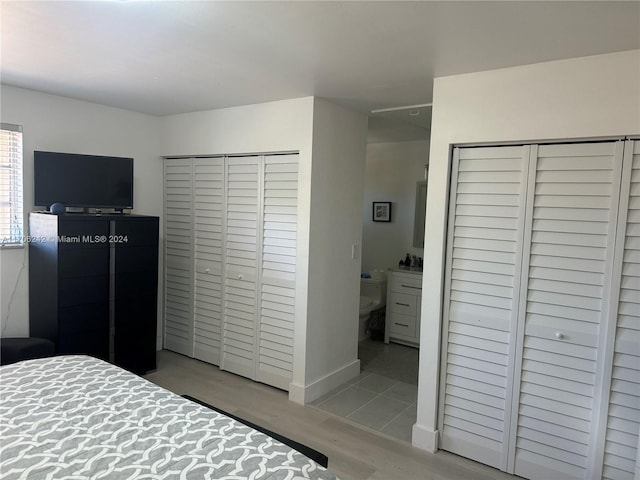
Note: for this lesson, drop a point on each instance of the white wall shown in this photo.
(61, 124)
(339, 150)
(324, 135)
(266, 127)
(391, 173)
(577, 98)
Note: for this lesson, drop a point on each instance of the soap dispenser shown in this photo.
(407, 261)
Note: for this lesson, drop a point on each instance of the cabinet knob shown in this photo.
(560, 335)
(207, 270)
(240, 277)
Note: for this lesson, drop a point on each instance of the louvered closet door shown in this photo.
(208, 232)
(240, 290)
(623, 414)
(277, 285)
(178, 221)
(483, 258)
(573, 208)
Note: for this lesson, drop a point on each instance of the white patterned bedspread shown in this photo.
(76, 417)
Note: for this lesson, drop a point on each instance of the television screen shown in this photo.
(89, 181)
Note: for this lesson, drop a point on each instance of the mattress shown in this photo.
(77, 417)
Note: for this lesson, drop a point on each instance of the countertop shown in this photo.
(404, 270)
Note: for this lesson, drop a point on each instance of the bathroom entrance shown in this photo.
(384, 396)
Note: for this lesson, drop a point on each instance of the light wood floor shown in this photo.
(354, 451)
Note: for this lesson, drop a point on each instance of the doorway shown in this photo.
(384, 396)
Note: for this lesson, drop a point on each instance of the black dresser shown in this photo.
(93, 285)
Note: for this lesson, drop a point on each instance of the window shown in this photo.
(11, 219)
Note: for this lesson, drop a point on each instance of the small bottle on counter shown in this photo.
(407, 261)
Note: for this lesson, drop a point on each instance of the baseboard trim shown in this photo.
(425, 438)
(306, 394)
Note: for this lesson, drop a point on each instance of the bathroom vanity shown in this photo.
(404, 299)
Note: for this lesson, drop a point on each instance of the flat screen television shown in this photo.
(88, 181)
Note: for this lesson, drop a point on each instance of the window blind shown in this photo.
(11, 217)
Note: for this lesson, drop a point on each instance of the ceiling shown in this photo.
(171, 57)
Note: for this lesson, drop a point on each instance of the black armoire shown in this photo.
(93, 285)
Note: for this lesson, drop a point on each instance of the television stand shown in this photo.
(93, 283)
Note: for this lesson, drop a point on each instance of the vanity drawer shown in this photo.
(402, 303)
(407, 284)
(404, 325)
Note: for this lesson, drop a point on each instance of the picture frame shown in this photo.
(381, 211)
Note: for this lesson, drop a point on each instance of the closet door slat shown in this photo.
(484, 248)
(240, 288)
(565, 312)
(623, 419)
(208, 234)
(178, 224)
(277, 275)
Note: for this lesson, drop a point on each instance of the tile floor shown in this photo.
(383, 397)
(389, 360)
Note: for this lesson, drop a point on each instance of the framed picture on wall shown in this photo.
(381, 211)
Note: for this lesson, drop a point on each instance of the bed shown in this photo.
(77, 417)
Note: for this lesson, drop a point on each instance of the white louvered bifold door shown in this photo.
(541, 337)
(277, 283)
(240, 288)
(208, 232)
(573, 207)
(623, 415)
(483, 258)
(178, 225)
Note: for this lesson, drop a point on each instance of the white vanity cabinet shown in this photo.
(404, 299)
